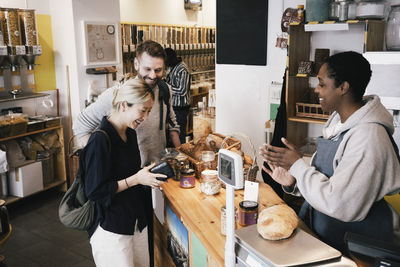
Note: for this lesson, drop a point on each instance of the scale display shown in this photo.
(230, 168)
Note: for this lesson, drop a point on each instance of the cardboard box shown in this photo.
(26, 180)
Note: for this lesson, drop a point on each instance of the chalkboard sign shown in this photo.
(242, 32)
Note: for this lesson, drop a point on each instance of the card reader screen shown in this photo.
(226, 168)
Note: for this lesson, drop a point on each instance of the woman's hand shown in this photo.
(280, 175)
(145, 177)
(280, 156)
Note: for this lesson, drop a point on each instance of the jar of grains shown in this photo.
(28, 26)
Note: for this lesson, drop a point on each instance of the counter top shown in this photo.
(202, 214)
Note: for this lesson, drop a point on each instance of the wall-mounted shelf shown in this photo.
(21, 96)
(383, 57)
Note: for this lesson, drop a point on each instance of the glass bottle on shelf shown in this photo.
(393, 29)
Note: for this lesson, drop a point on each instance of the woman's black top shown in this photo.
(116, 212)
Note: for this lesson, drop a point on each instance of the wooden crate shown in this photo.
(196, 164)
(311, 111)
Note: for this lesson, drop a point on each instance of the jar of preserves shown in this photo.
(209, 183)
(248, 212)
(12, 35)
(393, 29)
(188, 179)
(28, 26)
(180, 163)
(223, 219)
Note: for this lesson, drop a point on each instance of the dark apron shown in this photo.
(378, 224)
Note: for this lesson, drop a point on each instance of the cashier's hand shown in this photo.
(280, 175)
(145, 177)
(280, 156)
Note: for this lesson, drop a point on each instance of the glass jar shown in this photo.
(393, 29)
(334, 10)
(188, 179)
(28, 26)
(207, 161)
(371, 10)
(210, 184)
(248, 212)
(223, 220)
(180, 163)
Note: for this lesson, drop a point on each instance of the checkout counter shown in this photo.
(201, 216)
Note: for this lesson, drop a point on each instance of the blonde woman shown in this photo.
(116, 182)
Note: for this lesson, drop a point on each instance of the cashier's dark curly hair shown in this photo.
(152, 48)
(350, 67)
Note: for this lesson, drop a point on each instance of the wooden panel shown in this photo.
(375, 35)
(201, 214)
(296, 87)
(161, 255)
(299, 47)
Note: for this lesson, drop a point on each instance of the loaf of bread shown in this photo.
(277, 222)
(201, 128)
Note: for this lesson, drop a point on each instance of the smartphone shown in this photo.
(163, 168)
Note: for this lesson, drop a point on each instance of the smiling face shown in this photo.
(134, 115)
(150, 69)
(329, 95)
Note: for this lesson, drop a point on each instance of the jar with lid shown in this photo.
(209, 183)
(12, 35)
(180, 163)
(188, 179)
(223, 220)
(300, 13)
(28, 26)
(248, 212)
(393, 29)
(207, 161)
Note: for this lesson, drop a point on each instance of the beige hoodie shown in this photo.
(365, 166)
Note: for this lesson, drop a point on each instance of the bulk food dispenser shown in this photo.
(29, 36)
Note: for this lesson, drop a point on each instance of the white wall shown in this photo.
(242, 91)
(167, 12)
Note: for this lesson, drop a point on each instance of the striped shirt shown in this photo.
(179, 79)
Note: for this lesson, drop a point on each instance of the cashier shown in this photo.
(356, 163)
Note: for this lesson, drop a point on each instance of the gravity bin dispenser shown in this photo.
(18, 49)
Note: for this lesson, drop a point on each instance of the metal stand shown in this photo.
(230, 257)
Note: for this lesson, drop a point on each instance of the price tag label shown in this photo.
(251, 191)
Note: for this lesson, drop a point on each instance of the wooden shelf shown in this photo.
(30, 133)
(307, 120)
(12, 199)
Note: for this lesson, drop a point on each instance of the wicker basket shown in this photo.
(196, 164)
(311, 111)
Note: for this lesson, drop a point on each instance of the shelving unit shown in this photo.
(299, 49)
(60, 177)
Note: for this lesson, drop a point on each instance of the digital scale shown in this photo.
(246, 247)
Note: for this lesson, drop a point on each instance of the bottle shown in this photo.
(300, 13)
(392, 29)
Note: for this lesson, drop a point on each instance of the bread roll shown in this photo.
(277, 222)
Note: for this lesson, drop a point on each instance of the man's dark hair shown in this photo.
(171, 60)
(350, 67)
(152, 48)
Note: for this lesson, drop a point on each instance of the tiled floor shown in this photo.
(39, 239)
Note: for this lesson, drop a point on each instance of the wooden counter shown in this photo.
(202, 214)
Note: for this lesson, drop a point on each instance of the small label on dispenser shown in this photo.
(3, 50)
(125, 49)
(20, 50)
(37, 50)
(133, 48)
